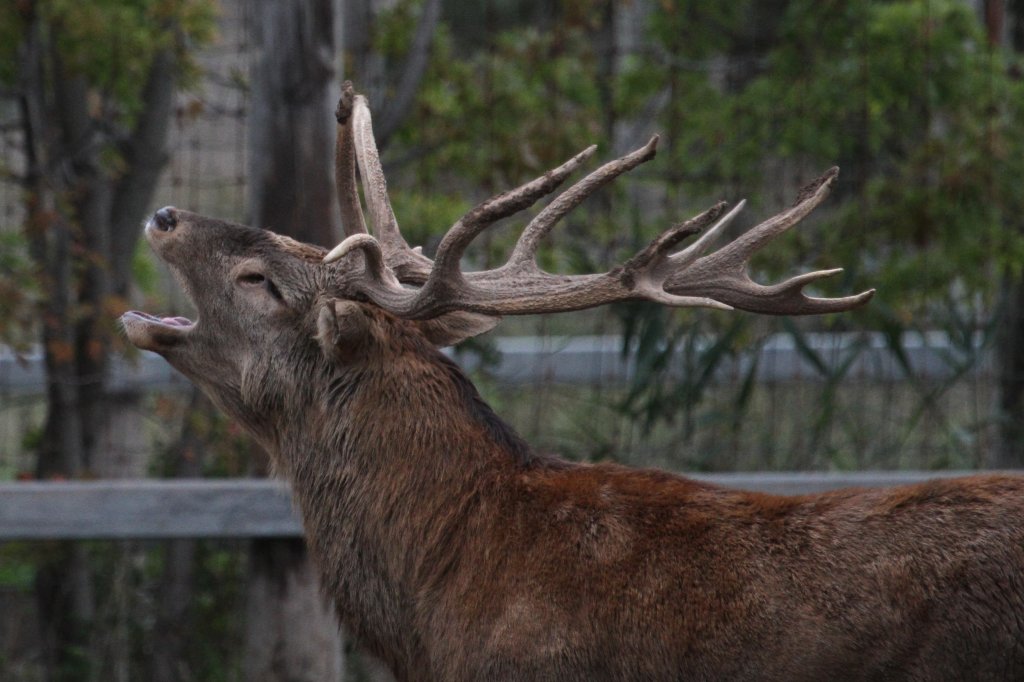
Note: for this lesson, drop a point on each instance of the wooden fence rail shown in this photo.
(239, 508)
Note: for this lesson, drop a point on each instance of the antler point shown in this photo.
(348, 244)
(345, 101)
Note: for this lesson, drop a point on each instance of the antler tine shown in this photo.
(357, 147)
(375, 187)
(506, 291)
(352, 220)
(408, 264)
(447, 275)
(526, 195)
(645, 273)
(808, 199)
(523, 256)
(788, 298)
(466, 229)
(376, 268)
(697, 249)
(657, 250)
(722, 275)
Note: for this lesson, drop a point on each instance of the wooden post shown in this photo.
(291, 632)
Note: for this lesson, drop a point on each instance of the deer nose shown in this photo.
(165, 219)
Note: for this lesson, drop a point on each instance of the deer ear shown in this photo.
(343, 329)
(452, 328)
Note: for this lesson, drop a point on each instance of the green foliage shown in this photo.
(221, 573)
(910, 98)
(111, 43)
(669, 384)
(507, 105)
(907, 96)
(17, 567)
(492, 114)
(144, 271)
(425, 210)
(107, 47)
(131, 576)
(19, 291)
(220, 445)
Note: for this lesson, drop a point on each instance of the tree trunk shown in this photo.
(294, 90)
(1009, 451)
(396, 106)
(291, 633)
(170, 661)
(391, 98)
(1009, 454)
(74, 241)
(366, 66)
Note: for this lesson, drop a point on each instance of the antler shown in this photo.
(356, 145)
(685, 278)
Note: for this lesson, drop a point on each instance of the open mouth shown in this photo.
(168, 321)
(150, 332)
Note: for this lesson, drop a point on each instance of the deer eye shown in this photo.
(252, 278)
(259, 279)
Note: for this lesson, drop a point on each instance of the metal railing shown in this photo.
(597, 359)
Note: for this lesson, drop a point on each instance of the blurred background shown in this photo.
(112, 108)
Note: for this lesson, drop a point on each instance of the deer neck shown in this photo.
(403, 460)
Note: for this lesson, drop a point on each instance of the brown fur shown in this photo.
(455, 552)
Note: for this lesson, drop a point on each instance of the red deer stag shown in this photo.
(453, 551)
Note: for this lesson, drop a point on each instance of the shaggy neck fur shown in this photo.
(396, 465)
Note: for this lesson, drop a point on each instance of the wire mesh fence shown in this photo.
(829, 419)
(511, 85)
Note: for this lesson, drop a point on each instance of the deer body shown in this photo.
(453, 551)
